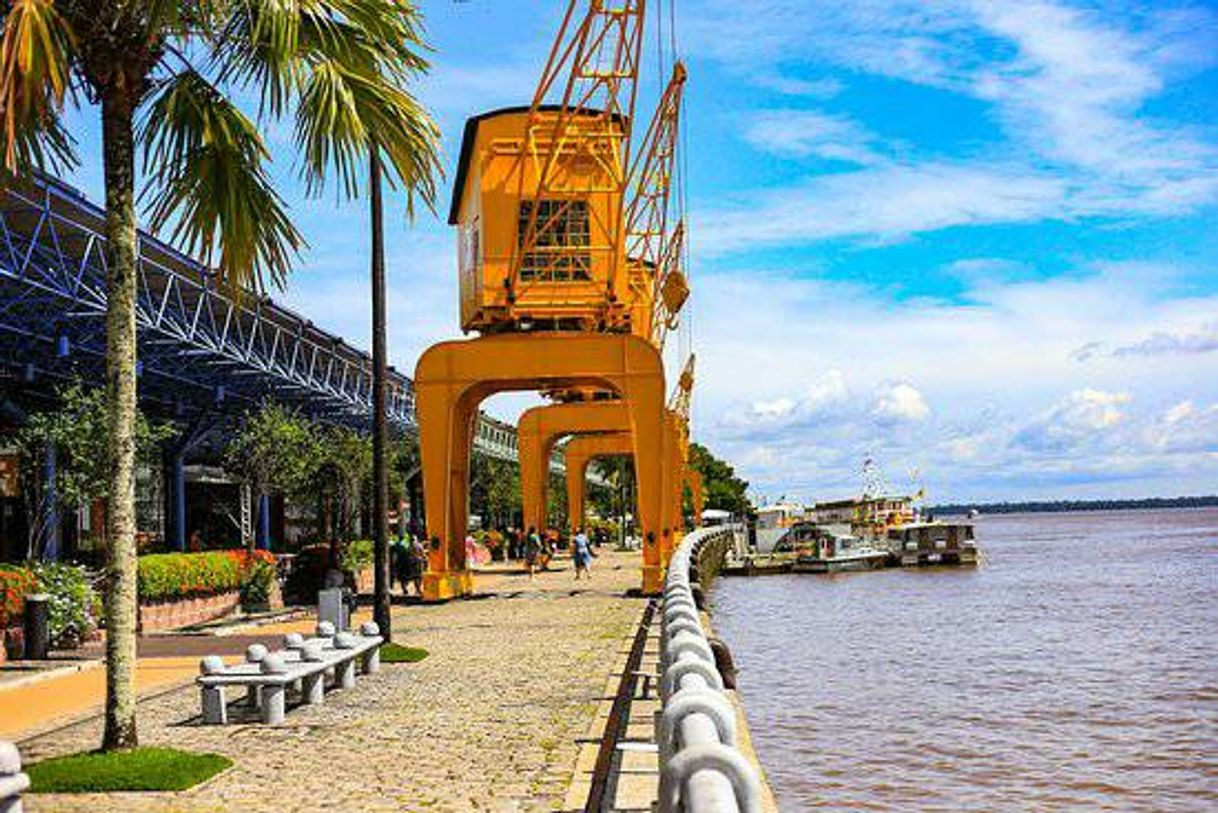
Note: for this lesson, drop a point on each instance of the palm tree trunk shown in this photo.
(380, 428)
(121, 607)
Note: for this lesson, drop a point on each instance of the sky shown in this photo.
(974, 241)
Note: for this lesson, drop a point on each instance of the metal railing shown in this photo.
(701, 769)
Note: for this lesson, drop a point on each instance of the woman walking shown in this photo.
(582, 553)
(532, 549)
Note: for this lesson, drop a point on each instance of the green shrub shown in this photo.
(169, 576)
(72, 612)
(141, 769)
(357, 555)
(256, 583)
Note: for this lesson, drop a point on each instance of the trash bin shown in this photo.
(37, 629)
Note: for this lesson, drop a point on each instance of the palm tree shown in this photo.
(166, 75)
(380, 424)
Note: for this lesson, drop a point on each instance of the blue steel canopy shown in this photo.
(198, 346)
(202, 351)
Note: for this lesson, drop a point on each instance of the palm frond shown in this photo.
(205, 164)
(257, 46)
(342, 114)
(36, 57)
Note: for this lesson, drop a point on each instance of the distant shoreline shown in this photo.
(1059, 506)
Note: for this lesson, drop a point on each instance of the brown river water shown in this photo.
(1075, 669)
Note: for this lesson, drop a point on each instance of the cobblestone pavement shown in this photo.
(490, 721)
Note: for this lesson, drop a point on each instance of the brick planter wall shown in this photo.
(185, 612)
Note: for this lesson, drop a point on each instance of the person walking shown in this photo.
(416, 555)
(582, 554)
(532, 549)
(398, 551)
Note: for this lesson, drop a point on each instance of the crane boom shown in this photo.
(595, 58)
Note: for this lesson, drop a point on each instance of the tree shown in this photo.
(77, 429)
(276, 451)
(345, 468)
(722, 488)
(340, 67)
(618, 471)
(495, 489)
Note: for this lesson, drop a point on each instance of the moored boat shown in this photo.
(931, 543)
(834, 553)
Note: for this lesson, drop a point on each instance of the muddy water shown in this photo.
(1076, 669)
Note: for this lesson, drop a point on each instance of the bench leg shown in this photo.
(251, 697)
(215, 709)
(313, 688)
(372, 661)
(346, 674)
(272, 704)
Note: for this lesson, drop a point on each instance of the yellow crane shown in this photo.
(538, 205)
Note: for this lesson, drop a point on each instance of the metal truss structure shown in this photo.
(206, 356)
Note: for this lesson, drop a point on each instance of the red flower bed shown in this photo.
(15, 584)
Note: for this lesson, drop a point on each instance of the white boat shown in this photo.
(837, 553)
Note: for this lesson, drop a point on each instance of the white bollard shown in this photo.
(12, 781)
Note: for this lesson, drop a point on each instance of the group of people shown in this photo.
(408, 556)
(536, 549)
(408, 561)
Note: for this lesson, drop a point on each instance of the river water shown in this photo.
(1075, 669)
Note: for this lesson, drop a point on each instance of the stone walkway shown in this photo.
(492, 720)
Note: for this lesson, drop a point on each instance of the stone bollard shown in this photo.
(372, 658)
(254, 653)
(215, 707)
(313, 686)
(273, 705)
(345, 670)
(295, 642)
(12, 781)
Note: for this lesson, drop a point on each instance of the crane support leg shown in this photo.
(581, 451)
(586, 447)
(540, 428)
(453, 378)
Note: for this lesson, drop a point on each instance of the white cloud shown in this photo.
(1082, 416)
(793, 86)
(823, 400)
(1013, 414)
(1069, 86)
(803, 133)
(887, 202)
(896, 402)
(1076, 83)
(1185, 428)
(1160, 343)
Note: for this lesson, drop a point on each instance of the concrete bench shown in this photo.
(304, 665)
(13, 782)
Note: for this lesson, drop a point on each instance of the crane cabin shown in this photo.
(537, 203)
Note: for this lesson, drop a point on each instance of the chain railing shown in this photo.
(701, 768)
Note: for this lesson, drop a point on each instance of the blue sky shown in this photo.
(973, 240)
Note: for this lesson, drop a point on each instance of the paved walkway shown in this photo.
(492, 720)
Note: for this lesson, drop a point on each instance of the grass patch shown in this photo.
(144, 769)
(396, 653)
